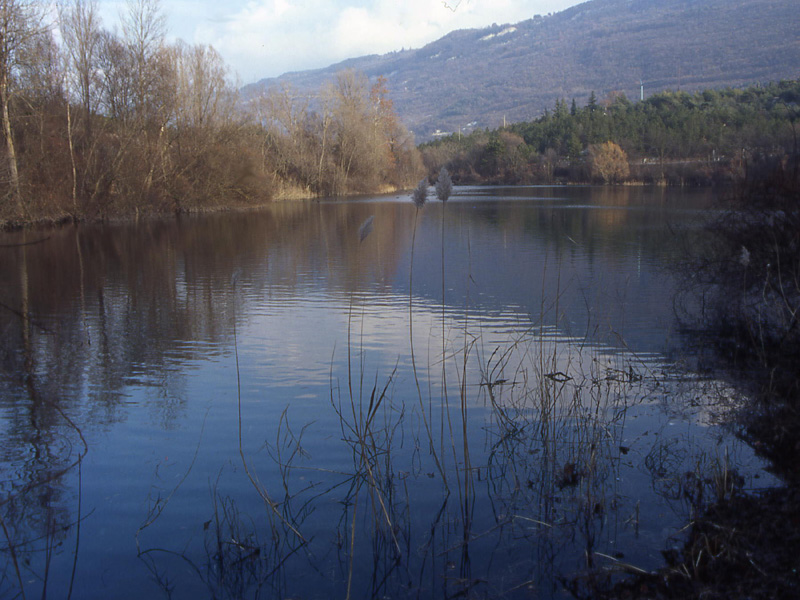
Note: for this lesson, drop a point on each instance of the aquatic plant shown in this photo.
(419, 198)
(444, 185)
(420, 194)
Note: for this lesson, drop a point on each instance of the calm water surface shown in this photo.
(264, 405)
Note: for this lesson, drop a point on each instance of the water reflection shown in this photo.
(491, 475)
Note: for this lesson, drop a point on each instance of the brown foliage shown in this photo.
(352, 143)
(110, 126)
(608, 162)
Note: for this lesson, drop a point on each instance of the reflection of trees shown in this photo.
(96, 310)
(123, 304)
(92, 310)
(43, 448)
(606, 220)
(599, 253)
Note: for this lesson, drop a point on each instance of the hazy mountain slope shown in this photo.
(516, 71)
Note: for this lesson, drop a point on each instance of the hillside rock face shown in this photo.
(476, 78)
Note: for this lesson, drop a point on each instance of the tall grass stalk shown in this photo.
(419, 198)
(444, 188)
(549, 459)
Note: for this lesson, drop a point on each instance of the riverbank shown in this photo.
(744, 545)
(280, 194)
(708, 138)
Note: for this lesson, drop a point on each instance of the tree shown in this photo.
(80, 29)
(295, 142)
(401, 157)
(203, 97)
(360, 147)
(351, 114)
(608, 162)
(144, 29)
(353, 142)
(20, 21)
(41, 71)
(153, 95)
(592, 106)
(116, 66)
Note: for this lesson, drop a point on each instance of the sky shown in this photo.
(266, 38)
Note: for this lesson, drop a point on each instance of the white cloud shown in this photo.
(265, 38)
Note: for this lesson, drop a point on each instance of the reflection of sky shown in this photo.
(525, 282)
(598, 270)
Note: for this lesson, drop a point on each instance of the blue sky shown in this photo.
(265, 38)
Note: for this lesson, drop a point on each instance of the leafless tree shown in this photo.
(20, 21)
(117, 81)
(203, 96)
(80, 29)
(144, 30)
(295, 137)
(357, 135)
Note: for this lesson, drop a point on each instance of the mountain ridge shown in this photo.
(481, 77)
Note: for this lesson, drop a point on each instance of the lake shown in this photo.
(356, 399)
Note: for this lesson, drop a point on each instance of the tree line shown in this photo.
(671, 137)
(99, 124)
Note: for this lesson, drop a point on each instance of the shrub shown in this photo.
(608, 162)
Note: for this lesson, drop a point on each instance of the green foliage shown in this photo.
(672, 136)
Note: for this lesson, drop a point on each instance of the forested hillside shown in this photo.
(672, 138)
(476, 78)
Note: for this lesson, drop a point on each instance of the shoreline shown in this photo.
(55, 222)
(289, 194)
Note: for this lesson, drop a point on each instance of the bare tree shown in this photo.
(40, 75)
(20, 20)
(293, 136)
(203, 96)
(80, 28)
(359, 143)
(117, 81)
(347, 140)
(144, 30)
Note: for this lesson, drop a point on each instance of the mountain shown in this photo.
(478, 77)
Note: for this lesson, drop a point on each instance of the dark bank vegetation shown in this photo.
(103, 124)
(744, 275)
(671, 138)
(747, 279)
